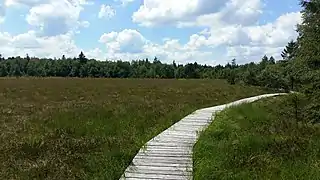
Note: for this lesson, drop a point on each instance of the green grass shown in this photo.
(55, 128)
(262, 140)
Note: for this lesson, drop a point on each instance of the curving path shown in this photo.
(169, 154)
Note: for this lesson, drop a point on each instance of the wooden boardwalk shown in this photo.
(169, 155)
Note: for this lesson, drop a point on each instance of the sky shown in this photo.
(204, 31)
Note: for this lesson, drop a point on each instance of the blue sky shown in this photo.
(205, 31)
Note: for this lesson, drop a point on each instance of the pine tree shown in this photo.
(25, 67)
(272, 60)
(264, 62)
(233, 63)
(174, 64)
(289, 51)
(82, 58)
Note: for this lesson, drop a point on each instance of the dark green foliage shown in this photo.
(82, 58)
(83, 67)
(233, 63)
(231, 78)
(290, 51)
(272, 60)
(309, 34)
(272, 77)
(308, 57)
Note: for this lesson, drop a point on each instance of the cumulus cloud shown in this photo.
(160, 12)
(53, 17)
(276, 33)
(29, 42)
(268, 39)
(244, 12)
(241, 40)
(130, 44)
(106, 11)
(230, 24)
(128, 40)
(245, 43)
(53, 22)
(172, 49)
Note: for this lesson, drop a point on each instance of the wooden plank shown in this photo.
(142, 167)
(162, 164)
(167, 161)
(154, 176)
(169, 155)
(160, 170)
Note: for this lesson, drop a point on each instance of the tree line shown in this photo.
(83, 67)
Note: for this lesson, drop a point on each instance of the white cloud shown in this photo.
(53, 17)
(29, 42)
(268, 39)
(245, 43)
(172, 49)
(4, 38)
(128, 40)
(276, 33)
(106, 11)
(249, 41)
(53, 22)
(231, 25)
(96, 53)
(244, 12)
(160, 12)
(130, 44)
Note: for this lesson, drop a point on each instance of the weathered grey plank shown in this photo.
(169, 155)
(162, 164)
(156, 176)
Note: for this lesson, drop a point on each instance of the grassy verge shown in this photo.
(56, 128)
(263, 140)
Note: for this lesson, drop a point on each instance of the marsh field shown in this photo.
(262, 140)
(70, 128)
